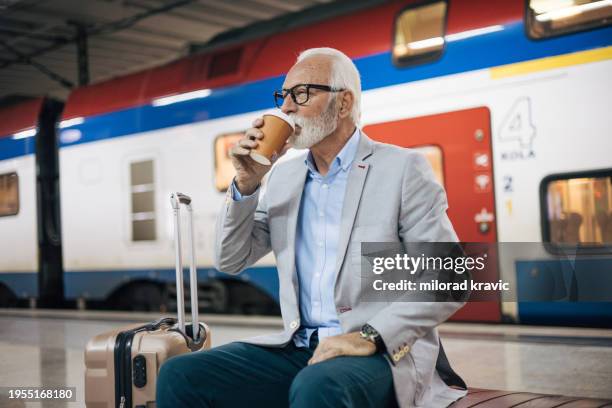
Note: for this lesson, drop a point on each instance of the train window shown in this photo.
(224, 170)
(549, 18)
(143, 200)
(9, 194)
(419, 33)
(578, 208)
(434, 156)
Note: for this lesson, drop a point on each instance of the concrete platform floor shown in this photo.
(46, 349)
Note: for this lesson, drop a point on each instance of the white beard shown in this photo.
(313, 130)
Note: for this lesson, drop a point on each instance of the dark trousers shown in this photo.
(244, 375)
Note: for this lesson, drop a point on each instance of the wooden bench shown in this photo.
(501, 399)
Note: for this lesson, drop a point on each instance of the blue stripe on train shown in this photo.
(98, 285)
(502, 47)
(566, 293)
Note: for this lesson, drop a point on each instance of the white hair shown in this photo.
(344, 75)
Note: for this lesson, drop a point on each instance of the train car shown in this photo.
(508, 100)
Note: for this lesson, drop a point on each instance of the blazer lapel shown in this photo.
(295, 190)
(352, 197)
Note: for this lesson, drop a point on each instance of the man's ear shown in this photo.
(346, 104)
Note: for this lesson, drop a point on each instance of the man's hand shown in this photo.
(248, 172)
(350, 344)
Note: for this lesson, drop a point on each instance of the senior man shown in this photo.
(336, 350)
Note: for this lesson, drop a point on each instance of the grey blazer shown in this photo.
(391, 196)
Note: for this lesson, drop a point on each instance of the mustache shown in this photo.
(298, 120)
(302, 121)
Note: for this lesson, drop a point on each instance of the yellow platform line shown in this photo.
(558, 61)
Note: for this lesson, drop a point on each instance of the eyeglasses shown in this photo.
(300, 93)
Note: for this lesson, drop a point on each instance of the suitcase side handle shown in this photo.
(176, 199)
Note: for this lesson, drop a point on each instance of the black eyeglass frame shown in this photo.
(282, 94)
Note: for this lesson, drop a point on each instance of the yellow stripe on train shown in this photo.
(544, 64)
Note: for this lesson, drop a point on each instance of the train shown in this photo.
(508, 100)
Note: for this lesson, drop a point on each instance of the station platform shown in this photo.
(45, 348)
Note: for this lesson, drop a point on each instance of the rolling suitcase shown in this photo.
(121, 366)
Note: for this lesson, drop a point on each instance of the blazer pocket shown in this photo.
(374, 233)
(358, 267)
(354, 254)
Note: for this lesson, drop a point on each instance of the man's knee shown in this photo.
(344, 382)
(181, 364)
(176, 380)
(315, 385)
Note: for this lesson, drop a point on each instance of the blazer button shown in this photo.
(396, 357)
(402, 353)
(293, 324)
(406, 349)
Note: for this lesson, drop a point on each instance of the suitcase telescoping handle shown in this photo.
(176, 199)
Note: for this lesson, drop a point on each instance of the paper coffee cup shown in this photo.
(276, 130)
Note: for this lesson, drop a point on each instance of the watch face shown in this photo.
(369, 330)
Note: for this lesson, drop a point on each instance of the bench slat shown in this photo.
(481, 398)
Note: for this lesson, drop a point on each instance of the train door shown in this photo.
(458, 145)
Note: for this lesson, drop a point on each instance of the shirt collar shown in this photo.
(344, 158)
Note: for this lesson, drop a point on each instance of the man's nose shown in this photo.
(288, 105)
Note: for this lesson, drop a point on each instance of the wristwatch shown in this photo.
(370, 334)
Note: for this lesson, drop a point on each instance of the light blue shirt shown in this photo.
(316, 245)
